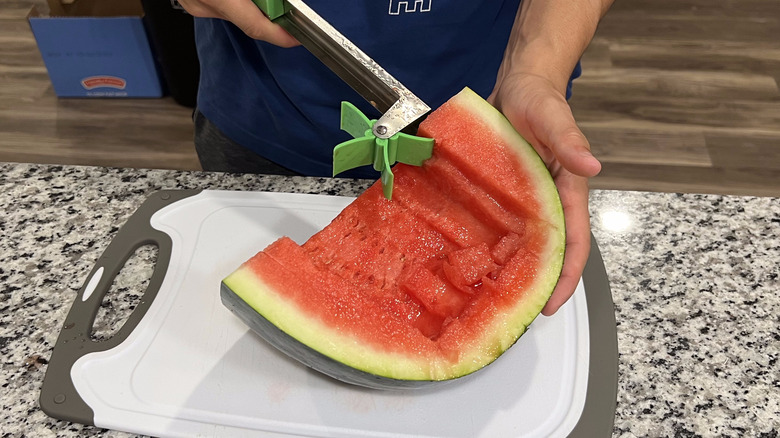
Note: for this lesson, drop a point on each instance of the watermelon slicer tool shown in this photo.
(366, 148)
(401, 109)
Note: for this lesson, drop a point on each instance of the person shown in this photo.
(266, 106)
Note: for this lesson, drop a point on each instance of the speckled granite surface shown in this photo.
(694, 279)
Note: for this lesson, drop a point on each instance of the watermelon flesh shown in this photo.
(431, 285)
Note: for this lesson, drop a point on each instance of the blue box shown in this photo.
(97, 48)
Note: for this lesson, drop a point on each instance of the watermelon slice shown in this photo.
(430, 286)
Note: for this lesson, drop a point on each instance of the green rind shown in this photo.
(353, 353)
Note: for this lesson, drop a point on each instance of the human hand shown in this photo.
(244, 14)
(540, 113)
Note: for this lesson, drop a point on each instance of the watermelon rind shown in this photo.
(307, 355)
(351, 359)
(270, 307)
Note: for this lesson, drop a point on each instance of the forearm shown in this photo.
(550, 36)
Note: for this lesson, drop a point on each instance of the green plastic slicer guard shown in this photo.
(366, 148)
(272, 8)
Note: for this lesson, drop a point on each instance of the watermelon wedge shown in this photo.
(428, 287)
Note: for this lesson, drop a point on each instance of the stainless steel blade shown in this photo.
(400, 107)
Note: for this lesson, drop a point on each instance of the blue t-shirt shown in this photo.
(284, 103)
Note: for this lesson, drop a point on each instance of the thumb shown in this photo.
(567, 142)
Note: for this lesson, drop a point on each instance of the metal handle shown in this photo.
(401, 108)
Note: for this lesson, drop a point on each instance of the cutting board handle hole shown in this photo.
(125, 293)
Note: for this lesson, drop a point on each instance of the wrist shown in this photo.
(540, 59)
(549, 37)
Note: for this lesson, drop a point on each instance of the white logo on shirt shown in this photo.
(398, 6)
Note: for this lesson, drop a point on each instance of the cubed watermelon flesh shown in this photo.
(431, 285)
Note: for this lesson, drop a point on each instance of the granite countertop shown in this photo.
(694, 279)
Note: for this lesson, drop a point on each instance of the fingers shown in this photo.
(572, 151)
(250, 19)
(544, 118)
(244, 14)
(198, 9)
(574, 197)
(561, 134)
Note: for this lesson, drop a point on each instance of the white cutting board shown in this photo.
(191, 368)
